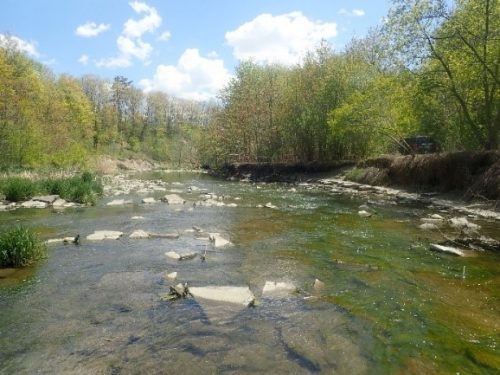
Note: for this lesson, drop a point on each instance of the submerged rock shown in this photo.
(218, 240)
(119, 202)
(241, 295)
(273, 288)
(173, 199)
(318, 284)
(99, 235)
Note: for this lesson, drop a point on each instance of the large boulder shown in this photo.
(173, 199)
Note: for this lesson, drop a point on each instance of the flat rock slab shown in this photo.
(139, 234)
(34, 204)
(278, 289)
(450, 250)
(49, 199)
(60, 240)
(100, 235)
(169, 236)
(118, 202)
(177, 256)
(240, 295)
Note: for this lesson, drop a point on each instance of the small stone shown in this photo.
(173, 255)
(137, 218)
(148, 200)
(171, 275)
(270, 205)
(218, 240)
(364, 213)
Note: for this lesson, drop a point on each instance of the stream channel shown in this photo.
(389, 305)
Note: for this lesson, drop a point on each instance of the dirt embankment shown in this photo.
(472, 174)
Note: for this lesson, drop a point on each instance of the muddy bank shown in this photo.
(468, 174)
(279, 172)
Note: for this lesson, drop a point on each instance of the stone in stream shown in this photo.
(171, 275)
(270, 205)
(137, 218)
(448, 249)
(139, 234)
(173, 199)
(59, 203)
(318, 284)
(463, 224)
(99, 235)
(60, 240)
(119, 202)
(431, 220)
(278, 289)
(169, 236)
(49, 199)
(34, 204)
(364, 213)
(148, 200)
(177, 256)
(239, 295)
(218, 240)
(428, 226)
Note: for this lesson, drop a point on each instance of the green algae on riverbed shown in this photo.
(389, 305)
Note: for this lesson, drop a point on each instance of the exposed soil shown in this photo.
(470, 175)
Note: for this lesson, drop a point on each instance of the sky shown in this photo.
(186, 48)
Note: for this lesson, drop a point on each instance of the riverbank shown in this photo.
(465, 175)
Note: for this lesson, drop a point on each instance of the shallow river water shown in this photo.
(388, 306)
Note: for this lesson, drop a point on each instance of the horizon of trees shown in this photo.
(431, 69)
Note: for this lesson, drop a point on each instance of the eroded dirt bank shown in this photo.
(470, 175)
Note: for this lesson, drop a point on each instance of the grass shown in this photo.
(84, 188)
(19, 247)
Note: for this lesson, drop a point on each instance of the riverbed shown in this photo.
(386, 304)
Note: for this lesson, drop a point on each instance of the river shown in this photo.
(388, 305)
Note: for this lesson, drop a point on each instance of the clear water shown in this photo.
(389, 305)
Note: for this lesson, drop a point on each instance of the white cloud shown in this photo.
(194, 77)
(278, 39)
(352, 13)
(19, 44)
(165, 36)
(149, 23)
(84, 59)
(129, 43)
(114, 62)
(134, 48)
(91, 29)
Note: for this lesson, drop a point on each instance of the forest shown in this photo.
(431, 68)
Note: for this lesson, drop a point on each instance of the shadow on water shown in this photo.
(388, 304)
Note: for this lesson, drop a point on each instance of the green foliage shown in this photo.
(19, 247)
(17, 189)
(83, 189)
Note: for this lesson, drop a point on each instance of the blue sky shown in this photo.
(187, 48)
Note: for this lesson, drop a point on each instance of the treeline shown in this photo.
(432, 69)
(60, 121)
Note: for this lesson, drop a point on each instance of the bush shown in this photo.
(19, 247)
(18, 189)
(81, 189)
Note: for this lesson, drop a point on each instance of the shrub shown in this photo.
(18, 189)
(19, 247)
